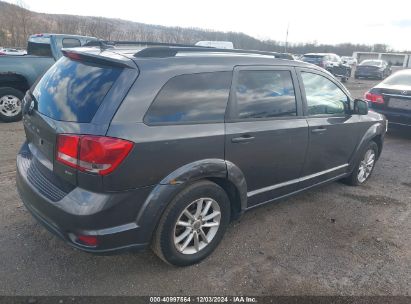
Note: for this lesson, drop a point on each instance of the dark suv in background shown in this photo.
(128, 147)
(331, 62)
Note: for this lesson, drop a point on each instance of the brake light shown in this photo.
(67, 149)
(73, 56)
(94, 154)
(375, 98)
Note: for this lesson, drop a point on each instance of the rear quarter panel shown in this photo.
(160, 150)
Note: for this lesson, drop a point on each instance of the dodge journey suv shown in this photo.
(162, 146)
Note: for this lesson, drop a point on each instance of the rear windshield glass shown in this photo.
(72, 90)
(39, 49)
(399, 79)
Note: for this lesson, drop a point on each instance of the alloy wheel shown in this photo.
(197, 226)
(366, 166)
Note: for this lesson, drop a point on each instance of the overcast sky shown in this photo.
(353, 21)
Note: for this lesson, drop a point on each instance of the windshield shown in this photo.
(73, 90)
(371, 62)
(403, 79)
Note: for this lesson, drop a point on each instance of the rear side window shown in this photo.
(264, 94)
(191, 98)
(73, 90)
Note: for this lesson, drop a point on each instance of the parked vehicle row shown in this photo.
(163, 146)
(330, 62)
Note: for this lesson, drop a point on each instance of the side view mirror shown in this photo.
(360, 107)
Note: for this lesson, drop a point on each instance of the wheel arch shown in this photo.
(223, 173)
(374, 133)
(15, 81)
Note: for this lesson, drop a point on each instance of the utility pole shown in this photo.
(286, 38)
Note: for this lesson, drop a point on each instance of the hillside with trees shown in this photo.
(17, 23)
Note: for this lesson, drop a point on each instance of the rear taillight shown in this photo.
(94, 154)
(375, 98)
(67, 149)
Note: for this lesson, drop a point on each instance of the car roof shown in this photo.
(227, 58)
(190, 59)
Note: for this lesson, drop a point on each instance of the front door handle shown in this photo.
(242, 139)
(319, 130)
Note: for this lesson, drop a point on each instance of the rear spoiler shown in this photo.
(114, 59)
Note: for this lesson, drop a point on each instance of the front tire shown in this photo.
(10, 104)
(193, 224)
(365, 165)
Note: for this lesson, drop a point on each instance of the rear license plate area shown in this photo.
(401, 104)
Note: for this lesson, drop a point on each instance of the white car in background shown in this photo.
(13, 52)
(349, 60)
(216, 44)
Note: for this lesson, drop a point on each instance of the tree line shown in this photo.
(17, 23)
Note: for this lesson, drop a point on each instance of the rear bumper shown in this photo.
(395, 118)
(111, 217)
(367, 74)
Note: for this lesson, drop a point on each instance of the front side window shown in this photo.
(264, 94)
(191, 98)
(323, 96)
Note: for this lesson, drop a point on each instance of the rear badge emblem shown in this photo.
(404, 92)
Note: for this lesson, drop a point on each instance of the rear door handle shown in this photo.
(319, 130)
(242, 139)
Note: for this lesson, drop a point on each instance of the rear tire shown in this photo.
(364, 166)
(10, 104)
(186, 233)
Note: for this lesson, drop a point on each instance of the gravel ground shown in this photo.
(333, 240)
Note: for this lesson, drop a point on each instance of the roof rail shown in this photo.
(171, 51)
(105, 44)
(162, 49)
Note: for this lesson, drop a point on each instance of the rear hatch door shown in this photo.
(79, 94)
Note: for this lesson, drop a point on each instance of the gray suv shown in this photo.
(129, 147)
